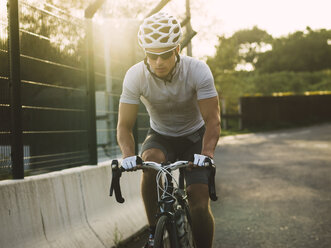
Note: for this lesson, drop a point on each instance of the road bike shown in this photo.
(173, 228)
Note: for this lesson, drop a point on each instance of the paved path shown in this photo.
(274, 190)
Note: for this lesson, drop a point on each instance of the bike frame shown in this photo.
(167, 208)
(171, 195)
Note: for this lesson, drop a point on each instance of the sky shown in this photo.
(211, 18)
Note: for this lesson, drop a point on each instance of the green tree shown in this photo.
(300, 51)
(242, 47)
(296, 63)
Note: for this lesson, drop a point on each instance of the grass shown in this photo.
(228, 132)
(234, 130)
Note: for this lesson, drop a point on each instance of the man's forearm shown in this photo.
(210, 138)
(126, 142)
(210, 112)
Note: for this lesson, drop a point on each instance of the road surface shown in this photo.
(274, 190)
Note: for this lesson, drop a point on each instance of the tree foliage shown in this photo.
(242, 47)
(296, 63)
(300, 51)
(233, 85)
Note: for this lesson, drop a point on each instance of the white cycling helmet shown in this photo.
(159, 30)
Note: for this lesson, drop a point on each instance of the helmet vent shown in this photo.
(156, 26)
(148, 40)
(155, 36)
(164, 40)
(160, 30)
(148, 30)
(165, 30)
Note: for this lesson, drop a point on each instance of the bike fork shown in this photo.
(173, 234)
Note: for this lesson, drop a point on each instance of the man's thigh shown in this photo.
(155, 141)
(153, 154)
(182, 149)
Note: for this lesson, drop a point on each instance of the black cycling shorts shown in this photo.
(179, 148)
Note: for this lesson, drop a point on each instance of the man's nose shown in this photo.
(159, 60)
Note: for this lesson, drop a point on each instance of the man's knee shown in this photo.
(198, 197)
(153, 154)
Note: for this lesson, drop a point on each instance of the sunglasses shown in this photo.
(163, 55)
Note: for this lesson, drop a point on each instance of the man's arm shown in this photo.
(210, 112)
(127, 115)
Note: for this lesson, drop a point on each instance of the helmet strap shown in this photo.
(167, 78)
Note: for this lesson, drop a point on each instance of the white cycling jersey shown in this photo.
(172, 106)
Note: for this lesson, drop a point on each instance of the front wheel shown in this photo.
(184, 229)
(162, 237)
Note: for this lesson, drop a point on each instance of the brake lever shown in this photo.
(211, 182)
(115, 182)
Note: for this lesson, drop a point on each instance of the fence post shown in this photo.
(133, 52)
(15, 86)
(240, 122)
(223, 113)
(92, 129)
(189, 27)
(158, 7)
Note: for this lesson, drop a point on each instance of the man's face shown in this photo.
(161, 66)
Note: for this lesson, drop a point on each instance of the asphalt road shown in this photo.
(274, 190)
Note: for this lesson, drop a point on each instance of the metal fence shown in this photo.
(47, 115)
(282, 110)
(113, 56)
(5, 117)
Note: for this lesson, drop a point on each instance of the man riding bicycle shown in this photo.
(179, 94)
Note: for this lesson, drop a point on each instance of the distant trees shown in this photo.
(300, 51)
(241, 48)
(297, 63)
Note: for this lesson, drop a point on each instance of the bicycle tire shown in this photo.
(162, 237)
(184, 227)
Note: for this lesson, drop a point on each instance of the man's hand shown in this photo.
(131, 163)
(202, 160)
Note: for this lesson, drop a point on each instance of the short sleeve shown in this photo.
(205, 86)
(131, 90)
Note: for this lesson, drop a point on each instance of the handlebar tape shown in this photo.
(211, 183)
(115, 182)
(117, 173)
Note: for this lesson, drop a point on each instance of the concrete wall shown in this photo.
(69, 208)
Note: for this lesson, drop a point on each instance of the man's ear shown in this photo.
(178, 48)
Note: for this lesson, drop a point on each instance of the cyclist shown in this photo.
(180, 97)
